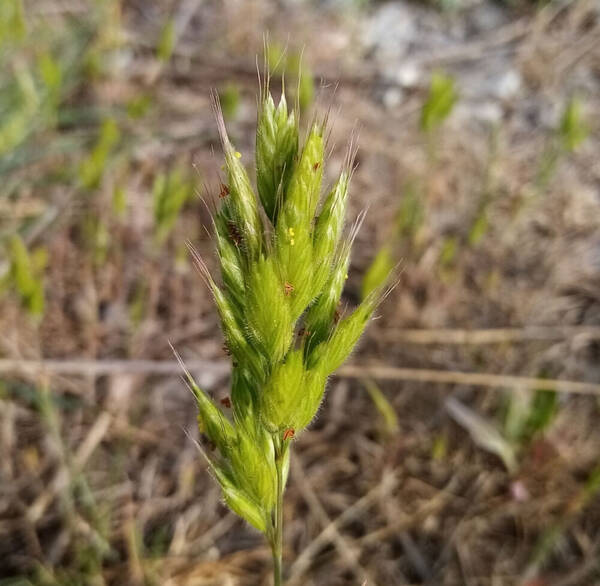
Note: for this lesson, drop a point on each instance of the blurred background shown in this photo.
(462, 443)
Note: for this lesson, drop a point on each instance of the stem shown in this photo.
(277, 541)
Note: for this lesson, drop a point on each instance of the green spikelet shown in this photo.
(292, 395)
(302, 197)
(211, 421)
(239, 501)
(330, 222)
(276, 146)
(231, 263)
(241, 204)
(252, 462)
(237, 343)
(279, 399)
(320, 317)
(334, 351)
(295, 258)
(328, 229)
(267, 310)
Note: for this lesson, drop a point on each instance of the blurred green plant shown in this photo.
(573, 129)
(170, 192)
(481, 223)
(25, 275)
(77, 504)
(569, 135)
(440, 102)
(52, 76)
(552, 536)
(229, 97)
(378, 272)
(278, 308)
(12, 22)
(119, 201)
(293, 66)
(97, 238)
(411, 212)
(484, 433)
(527, 415)
(166, 42)
(384, 407)
(138, 106)
(479, 228)
(448, 251)
(408, 221)
(92, 168)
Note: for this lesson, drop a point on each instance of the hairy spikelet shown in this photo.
(239, 501)
(278, 401)
(276, 147)
(300, 201)
(294, 254)
(251, 459)
(321, 316)
(334, 351)
(267, 310)
(279, 306)
(231, 262)
(241, 207)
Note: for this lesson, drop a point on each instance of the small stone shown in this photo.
(392, 98)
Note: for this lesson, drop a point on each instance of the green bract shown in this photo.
(284, 260)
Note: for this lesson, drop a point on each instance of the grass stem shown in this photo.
(277, 542)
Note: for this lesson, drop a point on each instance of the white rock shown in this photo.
(390, 30)
(408, 74)
(393, 98)
(507, 85)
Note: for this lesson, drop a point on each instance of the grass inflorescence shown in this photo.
(284, 256)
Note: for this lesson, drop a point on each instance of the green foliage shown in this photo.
(572, 129)
(440, 101)
(26, 275)
(92, 168)
(170, 192)
(282, 279)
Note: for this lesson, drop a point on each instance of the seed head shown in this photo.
(277, 280)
